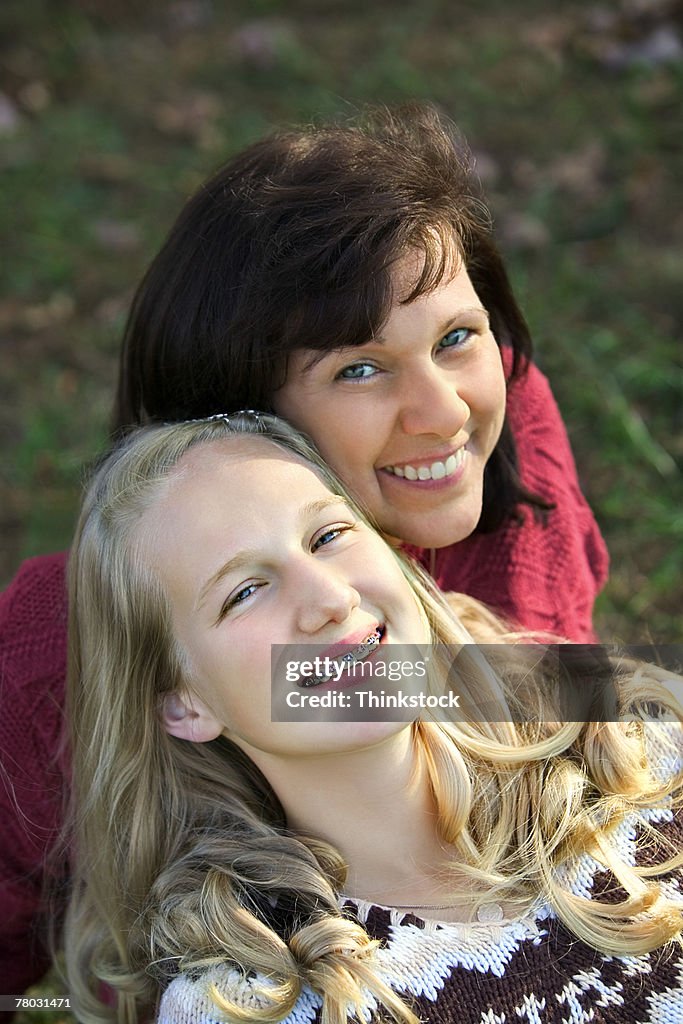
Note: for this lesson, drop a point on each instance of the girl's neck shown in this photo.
(376, 807)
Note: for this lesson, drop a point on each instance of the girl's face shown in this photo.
(409, 419)
(253, 550)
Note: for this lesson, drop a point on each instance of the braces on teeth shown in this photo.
(357, 654)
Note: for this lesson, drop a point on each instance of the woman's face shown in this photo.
(253, 550)
(409, 419)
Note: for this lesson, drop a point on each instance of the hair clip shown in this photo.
(250, 414)
(226, 417)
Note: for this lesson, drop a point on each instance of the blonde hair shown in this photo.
(182, 854)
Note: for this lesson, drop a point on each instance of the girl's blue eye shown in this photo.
(456, 337)
(238, 598)
(327, 536)
(357, 371)
(242, 595)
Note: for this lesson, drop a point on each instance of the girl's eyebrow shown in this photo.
(247, 556)
(311, 508)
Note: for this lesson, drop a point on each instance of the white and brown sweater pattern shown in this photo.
(528, 971)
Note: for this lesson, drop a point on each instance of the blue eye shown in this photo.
(242, 595)
(357, 371)
(328, 535)
(455, 338)
(238, 598)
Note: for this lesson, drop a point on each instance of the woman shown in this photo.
(249, 869)
(345, 277)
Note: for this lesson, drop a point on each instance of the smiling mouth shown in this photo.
(359, 653)
(437, 470)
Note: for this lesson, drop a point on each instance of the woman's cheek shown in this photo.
(494, 389)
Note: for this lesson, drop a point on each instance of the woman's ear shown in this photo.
(188, 718)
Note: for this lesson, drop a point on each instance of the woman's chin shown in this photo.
(440, 531)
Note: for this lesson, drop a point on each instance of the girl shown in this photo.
(239, 868)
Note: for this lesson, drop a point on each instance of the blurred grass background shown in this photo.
(112, 111)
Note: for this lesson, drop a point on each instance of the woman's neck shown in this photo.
(376, 807)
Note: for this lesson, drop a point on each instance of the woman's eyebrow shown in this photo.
(447, 325)
(247, 556)
(317, 356)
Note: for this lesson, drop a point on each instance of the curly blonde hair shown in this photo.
(182, 855)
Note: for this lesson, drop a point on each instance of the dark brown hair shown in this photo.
(290, 246)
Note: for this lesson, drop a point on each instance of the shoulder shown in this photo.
(33, 626)
(663, 742)
(39, 571)
(543, 446)
(529, 391)
(33, 640)
(500, 971)
(33, 631)
(644, 838)
(195, 998)
(35, 602)
(547, 467)
(32, 672)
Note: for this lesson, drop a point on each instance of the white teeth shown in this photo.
(436, 471)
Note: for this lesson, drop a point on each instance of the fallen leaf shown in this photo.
(35, 96)
(661, 46)
(10, 118)
(523, 231)
(486, 168)
(108, 168)
(59, 308)
(261, 42)
(188, 15)
(191, 116)
(117, 235)
(580, 172)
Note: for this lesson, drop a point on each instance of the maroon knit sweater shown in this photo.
(542, 576)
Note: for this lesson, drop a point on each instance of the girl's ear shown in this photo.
(188, 718)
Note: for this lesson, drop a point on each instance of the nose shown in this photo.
(432, 403)
(322, 595)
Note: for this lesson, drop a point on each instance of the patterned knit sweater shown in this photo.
(528, 970)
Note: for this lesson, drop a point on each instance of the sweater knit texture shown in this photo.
(530, 970)
(544, 576)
